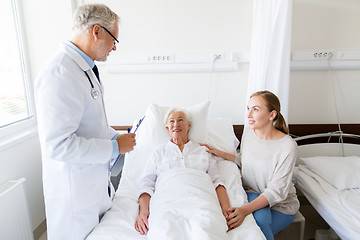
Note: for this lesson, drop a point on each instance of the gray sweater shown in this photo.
(267, 168)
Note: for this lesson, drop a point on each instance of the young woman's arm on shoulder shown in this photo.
(218, 153)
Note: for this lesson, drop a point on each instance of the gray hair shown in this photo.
(187, 115)
(88, 15)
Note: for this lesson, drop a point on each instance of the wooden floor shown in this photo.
(43, 237)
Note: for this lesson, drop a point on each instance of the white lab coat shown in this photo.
(76, 146)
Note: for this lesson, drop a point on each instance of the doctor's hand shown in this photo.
(126, 142)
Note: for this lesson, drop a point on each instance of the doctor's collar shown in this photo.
(86, 57)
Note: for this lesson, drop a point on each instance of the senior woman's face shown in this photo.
(177, 124)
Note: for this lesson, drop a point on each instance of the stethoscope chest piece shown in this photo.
(94, 93)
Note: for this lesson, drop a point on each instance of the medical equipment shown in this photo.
(94, 93)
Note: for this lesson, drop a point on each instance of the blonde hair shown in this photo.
(273, 104)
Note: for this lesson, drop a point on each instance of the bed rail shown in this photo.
(337, 136)
(329, 135)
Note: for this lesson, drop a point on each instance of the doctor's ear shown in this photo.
(95, 30)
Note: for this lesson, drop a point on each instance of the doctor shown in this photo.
(78, 145)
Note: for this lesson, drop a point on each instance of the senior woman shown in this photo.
(178, 152)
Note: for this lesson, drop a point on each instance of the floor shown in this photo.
(43, 237)
(313, 221)
(291, 232)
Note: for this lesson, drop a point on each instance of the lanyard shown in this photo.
(137, 126)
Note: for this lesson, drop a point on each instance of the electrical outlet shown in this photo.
(219, 57)
(168, 58)
(323, 55)
(313, 55)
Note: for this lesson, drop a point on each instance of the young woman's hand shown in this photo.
(236, 217)
(218, 153)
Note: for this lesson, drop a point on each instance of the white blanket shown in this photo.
(185, 206)
(339, 208)
(119, 222)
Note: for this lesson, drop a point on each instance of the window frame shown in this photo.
(23, 129)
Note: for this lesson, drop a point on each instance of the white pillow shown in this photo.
(341, 172)
(152, 131)
(221, 134)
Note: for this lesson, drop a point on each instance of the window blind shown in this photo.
(15, 101)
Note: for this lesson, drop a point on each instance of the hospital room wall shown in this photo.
(163, 27)
(212, 26)
(325, 24)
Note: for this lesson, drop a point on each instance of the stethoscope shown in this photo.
(94, 93)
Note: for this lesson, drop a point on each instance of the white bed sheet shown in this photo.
(118, 222)
(339, 208)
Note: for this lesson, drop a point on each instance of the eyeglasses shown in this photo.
(116, 41)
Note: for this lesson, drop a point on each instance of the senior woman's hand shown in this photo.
(218, 153)
(142, 224)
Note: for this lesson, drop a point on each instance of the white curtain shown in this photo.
(270, 50)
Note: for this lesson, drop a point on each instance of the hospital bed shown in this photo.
(329, 177)
(119, 221)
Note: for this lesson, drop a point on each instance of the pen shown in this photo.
(128, 130)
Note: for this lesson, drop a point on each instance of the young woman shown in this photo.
(266, 160)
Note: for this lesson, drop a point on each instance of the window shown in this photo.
(15, 102)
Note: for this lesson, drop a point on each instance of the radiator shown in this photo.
(15, 222)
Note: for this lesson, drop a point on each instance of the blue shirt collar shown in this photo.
(86, 57)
